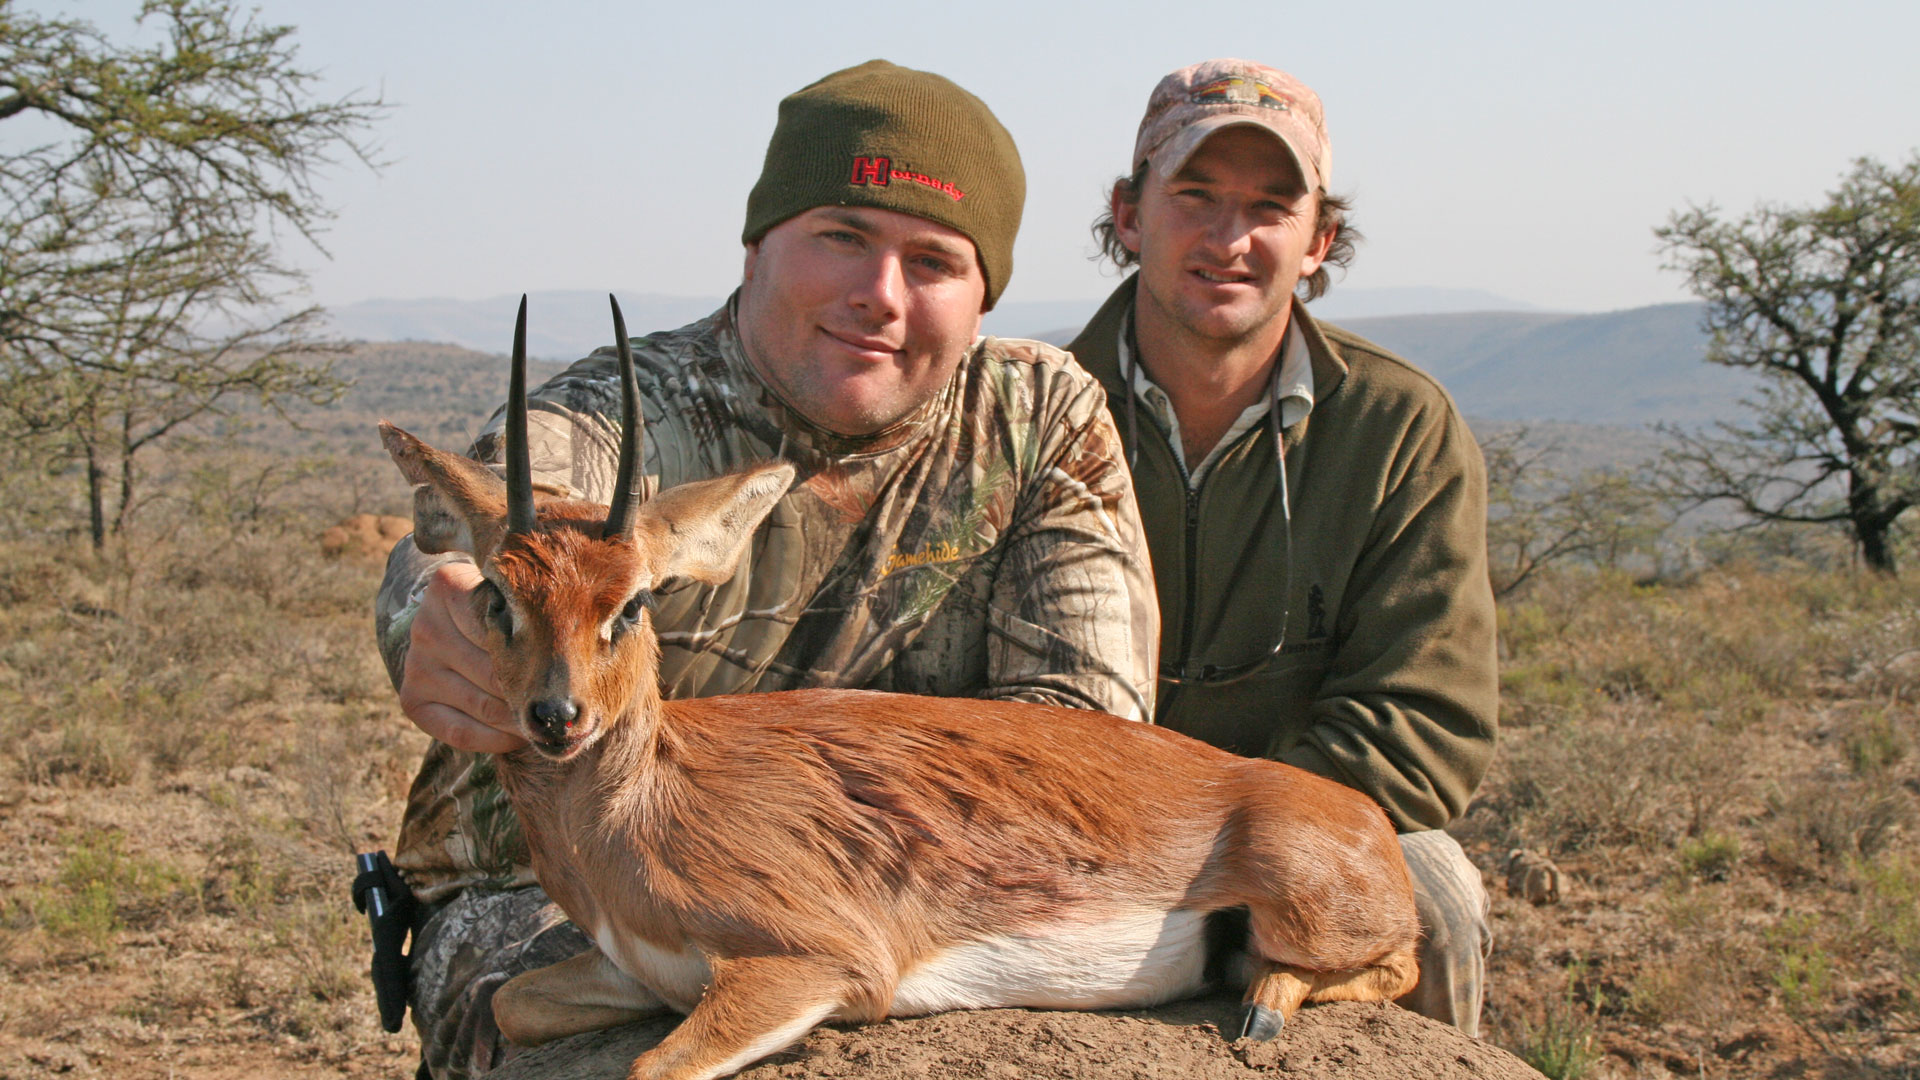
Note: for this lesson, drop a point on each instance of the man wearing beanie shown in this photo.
(1314, 505)
(962, 523)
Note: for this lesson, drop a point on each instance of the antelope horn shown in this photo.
(628, 484)
(519, 465)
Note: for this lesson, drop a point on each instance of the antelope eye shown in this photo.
(629, 615)
(497, 612)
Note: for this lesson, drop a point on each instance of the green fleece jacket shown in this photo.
(1387, 682)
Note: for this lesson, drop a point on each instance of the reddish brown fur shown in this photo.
(878, 830)
(567, 580)
(828, 841)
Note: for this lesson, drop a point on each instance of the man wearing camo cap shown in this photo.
(962, 524)
(1314, 505)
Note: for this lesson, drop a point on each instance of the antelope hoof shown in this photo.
(1262, 1024)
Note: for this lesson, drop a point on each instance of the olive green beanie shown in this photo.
(890, 137)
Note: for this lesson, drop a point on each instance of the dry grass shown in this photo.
(1728, 770)
(195, 734)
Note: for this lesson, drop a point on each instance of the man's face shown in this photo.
(1223, 242)
(857, 316)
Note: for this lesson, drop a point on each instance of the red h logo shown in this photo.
(871, 170)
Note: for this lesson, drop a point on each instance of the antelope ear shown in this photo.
(698, 530)
(458, 503)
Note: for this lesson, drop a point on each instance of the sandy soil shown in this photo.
(1379, 1042)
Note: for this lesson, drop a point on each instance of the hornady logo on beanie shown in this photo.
(882, 171)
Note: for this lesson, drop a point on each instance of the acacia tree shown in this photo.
(1538, 516)
(1824, 303)
(141, 191)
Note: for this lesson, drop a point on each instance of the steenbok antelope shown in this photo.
(766, 862)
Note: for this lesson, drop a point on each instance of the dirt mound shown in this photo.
(1379, 1042)
(364, 538)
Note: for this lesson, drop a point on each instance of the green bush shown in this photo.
(1710, 856)
(1803, 970)
(100, 886)
(1874, 743)
(1889, 919)
(1563, 1045)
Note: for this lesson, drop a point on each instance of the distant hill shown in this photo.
(561, 325)
(1347, 303)
(1618, 367)
(1631, 367)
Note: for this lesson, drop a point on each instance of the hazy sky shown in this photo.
(1527, 149)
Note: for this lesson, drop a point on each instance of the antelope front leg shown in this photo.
(582, 993)
(754, 1007)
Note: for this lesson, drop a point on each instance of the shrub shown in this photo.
(101, 887)
(1562, 1046)
(1803, 970)
(326, 944)
(1874, 743)
(1889, 915)
(88, 750)
(1710, 856)
(1817, 822)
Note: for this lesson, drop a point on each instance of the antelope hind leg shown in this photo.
(583, 993)
(1276, 991)
(1274, 994)
(1393, 975)
(754, 1006)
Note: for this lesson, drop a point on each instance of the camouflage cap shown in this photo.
(1197, 101)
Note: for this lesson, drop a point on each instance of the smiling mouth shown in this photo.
(875, 348)
(1221, 278)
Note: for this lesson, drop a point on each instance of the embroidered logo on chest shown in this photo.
(943, 551)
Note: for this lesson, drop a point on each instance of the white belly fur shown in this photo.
(677, 978)
(1137, 959)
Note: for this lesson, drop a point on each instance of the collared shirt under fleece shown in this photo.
(1291, 386)
(986, 546)
(1388, 681)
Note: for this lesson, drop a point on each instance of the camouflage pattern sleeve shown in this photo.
(1073, 618)
(394, 606)
(573, 431)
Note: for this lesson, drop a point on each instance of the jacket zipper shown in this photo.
(1193, 561)
(1193, 576)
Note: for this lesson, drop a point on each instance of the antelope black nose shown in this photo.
(553, 717)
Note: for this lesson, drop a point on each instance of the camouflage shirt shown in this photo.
(987, 545)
